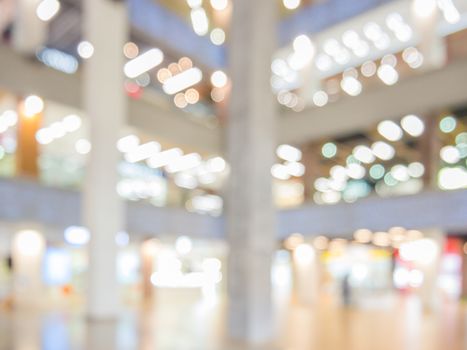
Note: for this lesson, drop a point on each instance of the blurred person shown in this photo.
(8, 299)
(346, 290)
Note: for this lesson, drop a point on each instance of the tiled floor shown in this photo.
(183, 322)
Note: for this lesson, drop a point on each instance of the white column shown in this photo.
(251, 141)
(305, 274)
(425, 16)
(105, 26)
(29, 31)
(28, 248)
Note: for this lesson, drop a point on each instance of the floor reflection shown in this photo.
(177, 320)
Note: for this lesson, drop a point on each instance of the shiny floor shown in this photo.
(183, 321)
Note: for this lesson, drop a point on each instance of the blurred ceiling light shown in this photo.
(216, 165)
(448, 124)
(279, 171)
(44, 136)
(143, 80)
(182, 81)
(295, 169)
(388, 74)
(329, 150)
(57, 129)
(323, 62)
(400, 173)
(304, 51)
(377, 171)
(331, 197)
(413, 57)
(122, 239)
(390, 60)
(424, 8)
(320, 98)
(180, 100)
(186, 181)
(342, 57)
(394, 21)
(142, 152)
(372, 31)
(304, 254)
(383, 42)
(291, 4)
(128, 143)
(361, 49)
(184, 163)
(29, 242)
(321, 184)
(404, 33)
(303, 45)
(381, 239)
(383, 151)
(363, 236)
(350, 73)
(350, 38)
(413, 125)
(219, 5)
(183, 245)
(185, 63)
(390, 130)
(194, 3)
(219, 79)
(162, 159)
(77, 235)
(320, 242)
(32, 105)
(130, 50)
(368, 69)
(293, 241)
(450, 154)
(143, 63)
(83, 146)
(217, 36)
(47, 9)
(452, 178)
(200, 21)
(416, 170)
(351, 86)
(450, 12)
(9, 117)
(339, 173)
(332, 47)
(356, 171)
(58, 60)
(289, 153)
(217, 95)
(71, 123)
(85, 49)
(192, 96)
(364, 154)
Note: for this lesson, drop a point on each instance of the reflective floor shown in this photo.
(182, 320)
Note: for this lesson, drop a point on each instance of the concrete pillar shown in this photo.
(105, 27)
(251, 140)
(311, 157)
(28, 248)
(305, 265)
(430, 145)
(29, 32)
(432, 46)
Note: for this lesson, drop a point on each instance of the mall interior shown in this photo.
(233, 174)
